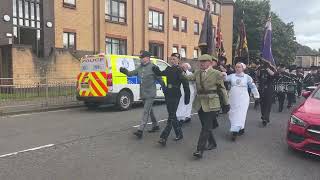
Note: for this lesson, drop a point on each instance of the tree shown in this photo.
(305, 50)
(284, 41)
(255, 15)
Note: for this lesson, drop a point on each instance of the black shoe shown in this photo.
(241, 132)
(198, 154)
(178, 138)
(138, 133)
(154, 129)
(162, 141)
(289, 106)
(211, 146)
(234, 136)
(264, 123)
(187, 120)
(280, 109)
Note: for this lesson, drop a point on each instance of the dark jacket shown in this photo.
(174, 81)
(265, 80)
(311, 80)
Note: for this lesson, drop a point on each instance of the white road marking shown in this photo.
(162, 120)
(27, 150)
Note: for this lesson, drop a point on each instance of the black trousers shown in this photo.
(281, 97)
(299, 89)
(266, 103)
(207, 120)
(291, 98)
(172, 106)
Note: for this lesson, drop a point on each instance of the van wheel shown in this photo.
(124, 100)
(91, 105)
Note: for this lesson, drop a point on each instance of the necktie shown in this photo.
(202, 77)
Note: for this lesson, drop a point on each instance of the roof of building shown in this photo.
(318, 55)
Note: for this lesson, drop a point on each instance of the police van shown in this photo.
(100, 81)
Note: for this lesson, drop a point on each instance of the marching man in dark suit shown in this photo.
(172, 96)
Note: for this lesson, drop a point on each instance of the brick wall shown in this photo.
(63, 67)
(28, 69)
(138, 26)
(79, 20)
(24, 71)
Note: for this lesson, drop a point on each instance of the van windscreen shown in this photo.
(93, 65)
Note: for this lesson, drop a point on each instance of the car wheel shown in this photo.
(124, 100)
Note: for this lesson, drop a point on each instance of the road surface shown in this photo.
(98, 144)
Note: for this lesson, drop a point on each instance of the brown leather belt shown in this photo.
(203, 92)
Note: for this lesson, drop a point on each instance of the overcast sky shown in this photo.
(305, 14)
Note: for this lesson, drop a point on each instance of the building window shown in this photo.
(183, 52)
(196, 28)
(115, 11)
(184, 25)
(69, 40)
(175, 23)
(69, 3)
(217, 7)
(175, 49)
(198, 3)
(27, 27)
(195, 53)
(156, 20)
(116, 46)
(156, 50)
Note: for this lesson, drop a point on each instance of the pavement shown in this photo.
(13, 107)
(98, 144)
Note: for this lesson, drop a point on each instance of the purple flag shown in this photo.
(266, 50)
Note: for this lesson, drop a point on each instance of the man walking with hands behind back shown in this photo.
(209, 85)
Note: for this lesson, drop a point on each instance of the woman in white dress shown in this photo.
(239, 99)
(184, 111)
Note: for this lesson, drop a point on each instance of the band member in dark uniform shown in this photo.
(282, 77)
(300, 76)
(292, 87)
(172, 96)
(285, 84)
(312, 78)
(265, 77)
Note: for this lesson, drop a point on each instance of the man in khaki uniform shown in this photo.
(209, 86)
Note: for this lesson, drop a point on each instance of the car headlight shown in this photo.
(296, 121)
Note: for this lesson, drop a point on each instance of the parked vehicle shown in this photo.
(101, 82)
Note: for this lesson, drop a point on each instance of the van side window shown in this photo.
(162, 66)
(137, 62)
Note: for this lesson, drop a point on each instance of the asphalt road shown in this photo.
(93, 145)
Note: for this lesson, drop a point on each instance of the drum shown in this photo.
(291, 88)
(280, 87)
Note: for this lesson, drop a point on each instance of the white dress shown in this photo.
(239, 99)
(184, 111)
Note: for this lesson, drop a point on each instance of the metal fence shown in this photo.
(37, 92)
